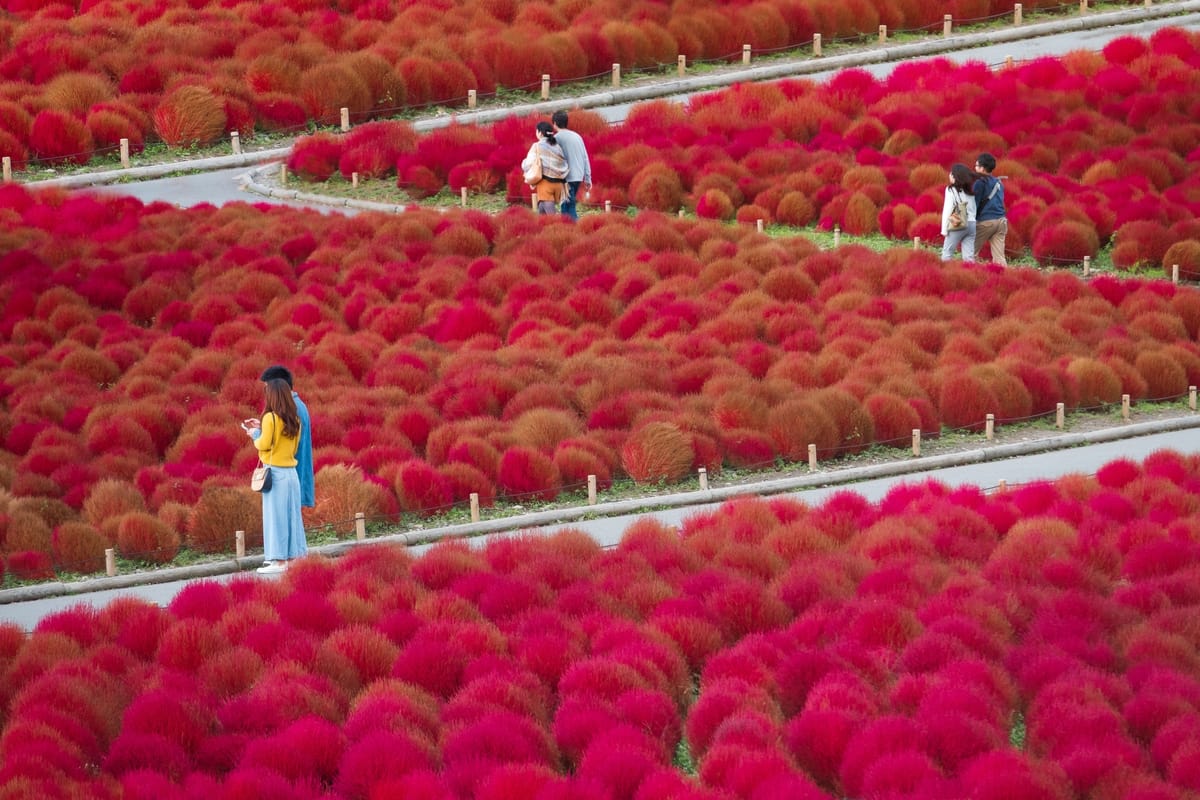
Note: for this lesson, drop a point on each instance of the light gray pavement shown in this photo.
(986, 467)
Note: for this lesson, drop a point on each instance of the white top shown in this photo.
(955, 196)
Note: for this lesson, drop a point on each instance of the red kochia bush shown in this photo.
(527, 472)
(315, 158)
(657, 451)
(59, 137)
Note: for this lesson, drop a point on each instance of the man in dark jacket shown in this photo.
(991, 223)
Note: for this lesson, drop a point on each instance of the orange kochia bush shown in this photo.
(844, 649)
(445, 354)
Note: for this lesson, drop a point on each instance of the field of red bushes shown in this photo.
(77, 77)
(444, 354)
(1099, 149)
(1036, 643)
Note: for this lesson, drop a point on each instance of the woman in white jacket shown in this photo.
(958, 214)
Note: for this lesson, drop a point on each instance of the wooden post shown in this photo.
(239, 543)
(6, 168)
(1008, 62)
(1125, 407)
(1192, 398)
(883, 34)
(817, 45)
(916, 441)
(616, 75)
(1174, 273)
(1087, 266)
(591, 490)
(354, 179)
(812, 458)
(703, 473)
(283, 174)
(360, 526)
(837, 235)
(758, 225)
(989, 427)
(533, 201)
(474, 506)
(345, 119)
(947, 24)
(545, 87)
(110, 562)
(916, 243)
(472, 98)
(745, 54)
(124, 154)
(607, 206)
(681, 213)
(1083, 6)
(1060, 416)
(463, 194)
(235, 142)
(1018, 13)
(1001, 485)
(682, 65)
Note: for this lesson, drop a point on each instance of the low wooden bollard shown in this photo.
(745, 54)
(1083, 6)
(1018, 14)
(703, 474)
(1008, 62)
(235, 142)
(616, 75)
(1060, 416)
(916, 441)
(110, 562)
(474, 506)
(463, 195)
(947, 24)
(989, 427)
(682, 63)
(1174, 273)
(124, 154)
(545, 87)
(591, 490)
(354, 179)
(6, 168)
(1192, 398)
(607, 206)
(812, 458)
(239, 543)
(1001, 485)
(345, 119)
(360, 526)
(472, 98)
(817, 45)
(916, 243)
(883, 34)
(1087, 266)
(533, 201)
(1125, 407)
(759, 226)
(681, 213)
(837, 235)
(283, 174)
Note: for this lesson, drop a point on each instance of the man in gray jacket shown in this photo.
(579, 168)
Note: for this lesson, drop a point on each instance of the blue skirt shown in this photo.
(283, 527)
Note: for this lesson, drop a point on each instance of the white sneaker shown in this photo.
(272, 568)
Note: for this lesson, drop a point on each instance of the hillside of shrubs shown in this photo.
(510, 356)
(1099, 151)
(77, 77)
(1037, 643)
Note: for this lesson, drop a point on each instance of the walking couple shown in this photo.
(556, 166)
(973, 213)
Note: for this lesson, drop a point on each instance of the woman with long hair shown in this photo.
(551, 169)
(958, 214)
(283, 525)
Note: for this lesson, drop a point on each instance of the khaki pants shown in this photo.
(992, 231)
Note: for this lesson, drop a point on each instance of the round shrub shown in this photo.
(1185, 254)
(1065, 243)
(656, 186)
(657, 451)
(79, 547)
(145, 537)
(220, 512)
(190, 116)
(715, 204)
(527, 472)
(59, 137)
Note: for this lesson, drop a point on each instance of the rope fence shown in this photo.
(813, 47)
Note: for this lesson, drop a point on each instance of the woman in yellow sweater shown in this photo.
(283, 526)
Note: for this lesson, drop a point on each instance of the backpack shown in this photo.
(958, 217)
